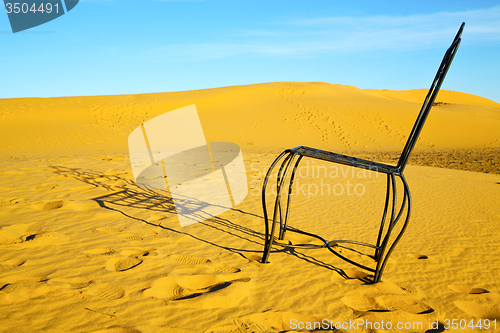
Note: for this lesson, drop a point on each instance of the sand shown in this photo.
(83, 249)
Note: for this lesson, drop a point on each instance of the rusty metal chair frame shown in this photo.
(383, 247)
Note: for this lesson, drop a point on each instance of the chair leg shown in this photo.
(277, 205)
(382, 260)
(384, 216)
(283, 226)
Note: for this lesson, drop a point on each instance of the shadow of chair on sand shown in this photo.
(124, 196)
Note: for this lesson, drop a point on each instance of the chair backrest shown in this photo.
(429, 100)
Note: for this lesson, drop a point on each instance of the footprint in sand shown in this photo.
(51, 205)
(19, 287)
(166, 288)
(11, 263)
(12, 201)
(480, 309)
(386, 303)
(26, 290)
(271, 321)
(111, 229)
(188, 260)
(148, 233)
(131, 237)
(191, 260)
(485, 306)
(70, 283)
(105, 290)
(82, 205)
(175, 287)
(122, 263)
(135, 253)
(418, 256)
(46, 239)
(18, 233)
(466, 290)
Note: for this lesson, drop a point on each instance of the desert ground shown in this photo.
(83, 248)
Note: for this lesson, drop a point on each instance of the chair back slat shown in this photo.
(429, 100)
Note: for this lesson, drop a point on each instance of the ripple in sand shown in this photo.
(134, 253)
(131, 237)
(191, 260)
(221, 268)
(105, 251)
(122, 263)
(362, 303)
(24, 279)
(158, 219)
(146, 232)
(467, 290)
(116, 329)
(390, 288)
(46, 187)
(355, 274)
(105, 290)
(82, 205)
(484, 310)
(491, 297)
(404, 303)
(270, 321)
(110, 229)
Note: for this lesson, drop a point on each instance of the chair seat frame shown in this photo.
(388, 236)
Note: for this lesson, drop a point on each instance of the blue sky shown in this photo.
(105, 47)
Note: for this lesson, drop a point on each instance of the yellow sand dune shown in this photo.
(83, 249)
(263, 116)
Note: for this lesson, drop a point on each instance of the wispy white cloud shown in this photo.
(310, 36)
(403, 32)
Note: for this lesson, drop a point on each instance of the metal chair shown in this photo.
(383, 247)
